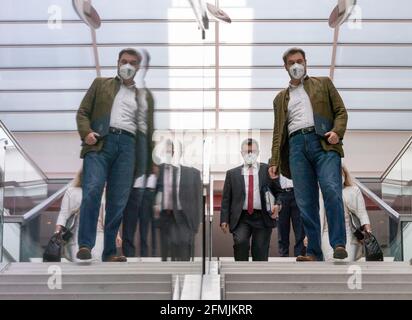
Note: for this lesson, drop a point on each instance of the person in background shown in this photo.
(71, 205)
(353, 203)
(180, 195)
(243, 210)
(289, 213)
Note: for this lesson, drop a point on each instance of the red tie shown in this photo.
(250, 192)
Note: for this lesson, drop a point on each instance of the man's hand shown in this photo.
(91, 138)
(275, 211)
(367, 228)
(225, 228)
(273, 172)
(332, 137)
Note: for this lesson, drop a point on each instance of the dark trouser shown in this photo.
(175, 236)
(311, 167)
(290, 212)
(114, 164)
(148, 219)
(132, 214)
(251, 226)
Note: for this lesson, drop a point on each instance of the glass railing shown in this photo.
(25, 204)
(397, 181)
(385, 221)
(397, 193)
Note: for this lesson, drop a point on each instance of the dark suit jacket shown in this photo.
(234, 195)
(190, 193)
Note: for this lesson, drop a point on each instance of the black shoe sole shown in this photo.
(340, 255)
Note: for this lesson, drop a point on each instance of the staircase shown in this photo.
(123, 281)
(316, 280)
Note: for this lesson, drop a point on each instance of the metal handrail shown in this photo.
(21, 150)
(37, 210)
(396, 159)
(378, 201)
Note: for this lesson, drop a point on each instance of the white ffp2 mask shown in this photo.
(127, 71)
(297, 71)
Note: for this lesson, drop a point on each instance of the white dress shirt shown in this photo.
(124, 110)
(256, 192)
(168, 187)
(285, 183)
(300, 112)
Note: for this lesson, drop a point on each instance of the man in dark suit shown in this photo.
(244, 209)
(181, 206)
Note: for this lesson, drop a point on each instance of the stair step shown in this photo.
(90, 287)
(317, 296)
(89, 296)
(265, 287)
(69, 278)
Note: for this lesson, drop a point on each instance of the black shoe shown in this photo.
(84, 254)
(340, 253)
(116, 259)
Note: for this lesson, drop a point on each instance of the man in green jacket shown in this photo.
(310, 122)
(110, 120)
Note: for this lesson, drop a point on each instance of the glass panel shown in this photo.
(407, 240)
(380, 120)
(246, 120)
(247, 99)
(275, 32)
(46, 101)
(270, 56)
(259, 78)
(262, 9)
(369, 78)
(177, 78)
(148, 32)
(47, 79)
(396, 187)
(377, 32)
(157, 9)
(377, 99)
(70, 101)
(35, 34)
(374, 56)
(40, 121)
(381, 9)
(179, 56)
(24, 183)
(2, 172)
(259, 99)
(46, 57)
(32, 10)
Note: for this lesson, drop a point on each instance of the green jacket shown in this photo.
(328, 107)
(96, 107)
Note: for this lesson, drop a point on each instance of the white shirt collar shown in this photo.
(255, 166)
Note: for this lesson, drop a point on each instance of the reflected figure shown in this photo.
(134, 212)
(179, 192)
(244, 210)
(111, 120)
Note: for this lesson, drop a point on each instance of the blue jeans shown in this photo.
(310, 165)
(113, 166)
